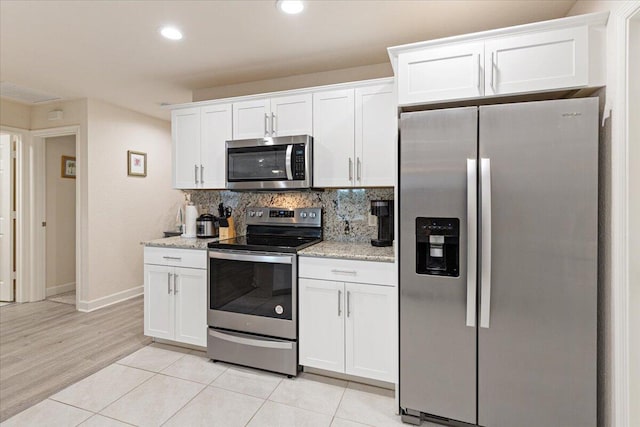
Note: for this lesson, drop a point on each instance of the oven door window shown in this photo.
(257, 163)
(250, 287)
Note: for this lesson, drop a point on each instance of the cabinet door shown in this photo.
(291, 115)
(371, 331)
(252, 119)
(190, 296)
(333, 138)
(321, 324)
(216, 129)
(185, 134)
(376, 133)
(158, 301)
(534, 62)
(440, 73)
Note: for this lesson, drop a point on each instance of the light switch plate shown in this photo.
(372, 220)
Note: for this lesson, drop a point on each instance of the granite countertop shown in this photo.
(180, 242)
(347, 250)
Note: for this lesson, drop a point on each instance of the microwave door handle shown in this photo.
(288, 161)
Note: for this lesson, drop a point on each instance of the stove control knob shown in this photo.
(252, 213)
(259, 213)
(303, 214)
(312, 214)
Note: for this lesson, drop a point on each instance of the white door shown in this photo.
(321, 324)
(252, 119)
(6, 251)
(440, 73)
(291, 115)
(535, 62)
(216, 129)
(185, 133)
(376, 134)
(370, 331)
(333, 138)
(190, 294)
(158, 301)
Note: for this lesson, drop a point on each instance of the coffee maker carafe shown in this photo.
(383, 209)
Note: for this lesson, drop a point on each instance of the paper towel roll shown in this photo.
(191, 213)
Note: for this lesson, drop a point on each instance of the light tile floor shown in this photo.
(171, 386)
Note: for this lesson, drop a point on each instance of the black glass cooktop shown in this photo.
(272, 243)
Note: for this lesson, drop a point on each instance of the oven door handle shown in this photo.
(252, 342)
(262, 257)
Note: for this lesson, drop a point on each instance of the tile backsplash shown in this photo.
(345, 211)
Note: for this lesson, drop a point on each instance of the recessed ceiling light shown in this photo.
(290, 6)
(171, 33)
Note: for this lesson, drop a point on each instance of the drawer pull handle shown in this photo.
(351, 272)
(177, 258)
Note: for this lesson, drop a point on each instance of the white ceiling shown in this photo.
(111, 50)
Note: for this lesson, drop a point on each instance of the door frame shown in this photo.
(23, 205)
(37, 240)
(620, 197)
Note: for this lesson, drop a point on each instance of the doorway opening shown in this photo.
(60, 227)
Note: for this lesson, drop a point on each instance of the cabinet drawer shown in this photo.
(344, 270)
(191, 258)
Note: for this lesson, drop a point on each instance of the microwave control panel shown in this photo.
(298, 161)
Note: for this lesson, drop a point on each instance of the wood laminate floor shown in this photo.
(45, 346)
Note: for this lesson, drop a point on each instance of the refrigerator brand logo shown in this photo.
(571, 114)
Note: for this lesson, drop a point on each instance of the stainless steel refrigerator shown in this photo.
(498, 264)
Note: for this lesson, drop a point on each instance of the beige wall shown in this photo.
(634, 219)
(124, 210)
(74, 113)
(61, 215)
(15, 115)
(296, 82)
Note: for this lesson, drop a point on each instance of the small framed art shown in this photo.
(136, 163)
(68, 167)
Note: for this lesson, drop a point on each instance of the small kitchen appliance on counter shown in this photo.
(383, 209)
(207, 226)
(253, 286)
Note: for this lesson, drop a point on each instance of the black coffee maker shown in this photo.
(383, 209)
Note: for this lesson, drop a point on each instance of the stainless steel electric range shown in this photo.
(253, 287)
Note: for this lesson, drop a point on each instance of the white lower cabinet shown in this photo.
(348, 327)
(175, 306)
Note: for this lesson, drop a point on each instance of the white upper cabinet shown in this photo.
(199, 136)
(333, 138)
(279, 116)
(375, 136)
(566, 53)
(291, 115)
(185, 133)
(440, 73)
(535, 62)
(251, 119)
(215, 131)
(354, 137)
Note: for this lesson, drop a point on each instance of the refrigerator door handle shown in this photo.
(472, 240)
(485, 275)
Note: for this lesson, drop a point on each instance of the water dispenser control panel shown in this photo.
(438, 246)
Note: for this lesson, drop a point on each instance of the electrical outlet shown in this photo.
(372, 220)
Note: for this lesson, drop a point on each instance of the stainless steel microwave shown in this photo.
(278, 163)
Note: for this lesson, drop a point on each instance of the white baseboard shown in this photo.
(60, 289)
(96, 304)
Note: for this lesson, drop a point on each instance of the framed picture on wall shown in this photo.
(68, 167)
(136, 163)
